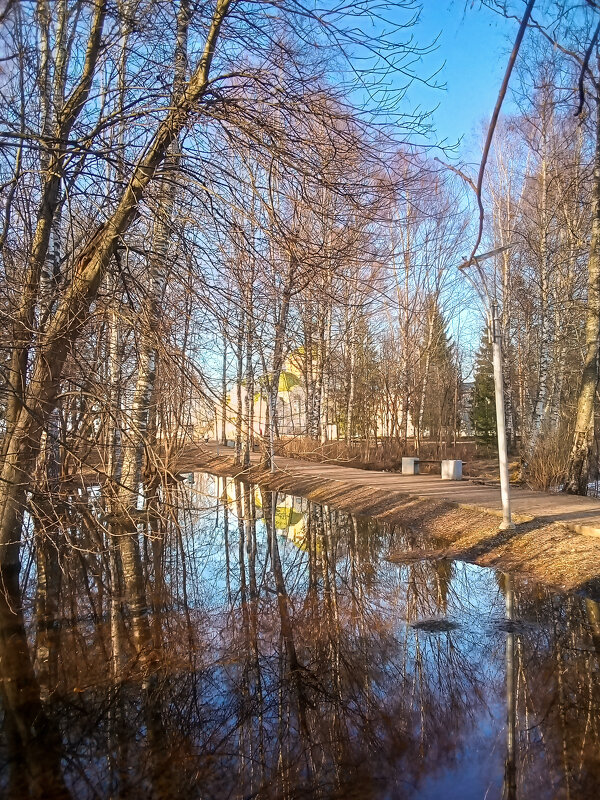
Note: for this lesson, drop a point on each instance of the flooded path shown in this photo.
(546, 548)
(287, 657)
(581, 514)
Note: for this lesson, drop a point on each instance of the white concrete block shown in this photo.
(410, 466)
(451, 470)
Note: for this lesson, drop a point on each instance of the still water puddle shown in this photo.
(291, 659)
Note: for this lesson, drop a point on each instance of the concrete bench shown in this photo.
(410, 466)
(451, 468)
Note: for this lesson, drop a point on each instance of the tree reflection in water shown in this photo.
(267, 649)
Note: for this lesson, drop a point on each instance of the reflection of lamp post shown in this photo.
(496, 333)
(510, 765)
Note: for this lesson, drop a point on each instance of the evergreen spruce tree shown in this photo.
(439, 361)
(483, 407)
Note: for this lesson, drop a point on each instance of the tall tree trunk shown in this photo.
(278, 353)
(23, 442)
(351, 380)
(425, 382)
(52, 164)
(545, 344)
(326, 370)
(309, 373)
(141, 412)
(318, 385)
(511, 433)
(583, 436)
(249, 416)
(238, 384)
(224, 395)
(131, 473)
(47, 598)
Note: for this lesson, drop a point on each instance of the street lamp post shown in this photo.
(507, 523)
(496, 333)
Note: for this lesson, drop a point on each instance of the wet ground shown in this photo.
(289, 658)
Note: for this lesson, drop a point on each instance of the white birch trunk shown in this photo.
(278, 350)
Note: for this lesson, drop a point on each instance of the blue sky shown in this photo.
(472, 52)
(473, 49)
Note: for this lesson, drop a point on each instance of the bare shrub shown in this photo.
(547, 466)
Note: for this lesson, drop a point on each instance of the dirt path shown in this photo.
(460, 518)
